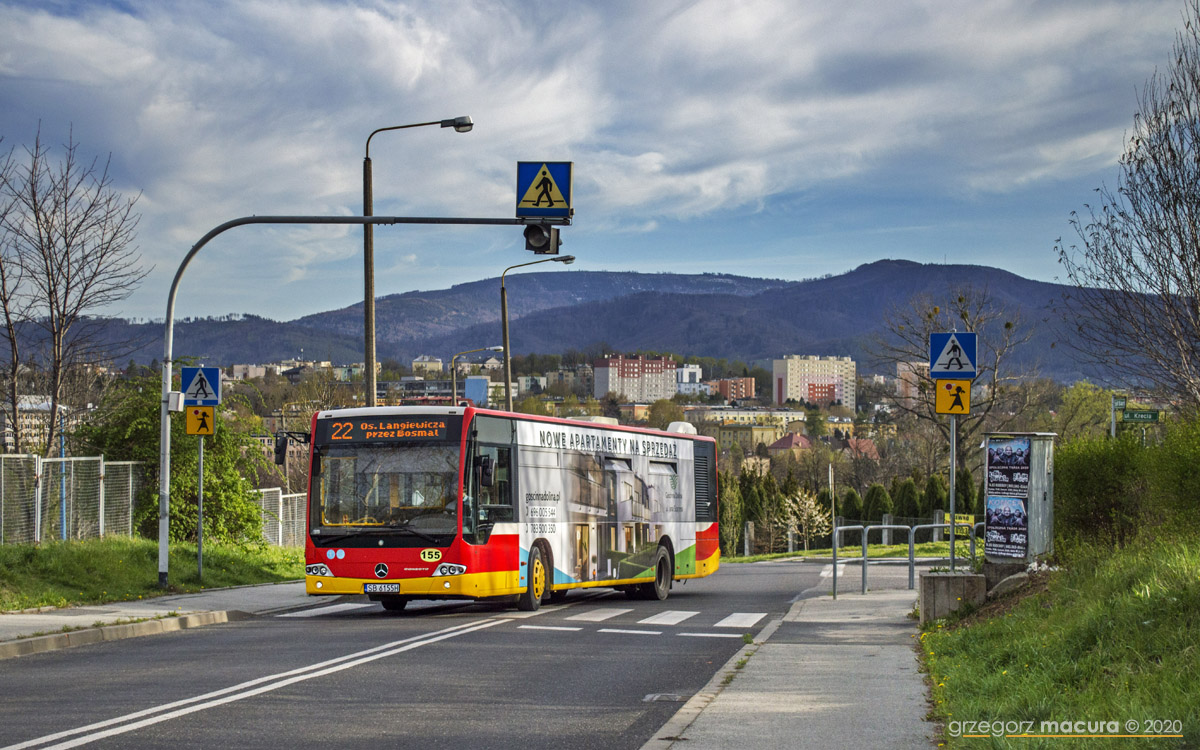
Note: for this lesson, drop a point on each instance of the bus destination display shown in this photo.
(386, 429)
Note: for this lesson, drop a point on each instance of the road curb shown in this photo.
(88, 636)
(673, 730)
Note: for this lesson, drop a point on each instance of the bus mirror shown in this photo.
(486, 475)
(281, 446)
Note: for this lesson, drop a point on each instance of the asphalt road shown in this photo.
(598, 671)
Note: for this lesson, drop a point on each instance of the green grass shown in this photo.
(1115, 637)
(121, 569)
(962, 550)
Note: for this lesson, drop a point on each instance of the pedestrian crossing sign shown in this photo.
(952, 397)
(952, 355)
(201, 385)
(544, 189)
(200, 420)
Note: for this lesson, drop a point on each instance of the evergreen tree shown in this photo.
(907, 501)
(876, 503)
(936, 495)
(851, 506)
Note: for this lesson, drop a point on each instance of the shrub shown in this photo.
(1101, 491)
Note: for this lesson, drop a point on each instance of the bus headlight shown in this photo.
(317, 570)
(448, 569)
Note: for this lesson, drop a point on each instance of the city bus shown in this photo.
(459, 502)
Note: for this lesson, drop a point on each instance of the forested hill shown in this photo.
(705, 315)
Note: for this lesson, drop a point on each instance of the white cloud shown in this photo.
(671, 111)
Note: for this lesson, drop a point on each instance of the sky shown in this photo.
(784, 139)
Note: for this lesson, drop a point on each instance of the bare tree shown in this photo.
(995, 399)
(72, 234)
(1136, 272)
(13, 304)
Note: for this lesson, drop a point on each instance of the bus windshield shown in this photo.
(414, 486)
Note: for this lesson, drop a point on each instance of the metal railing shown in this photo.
(283, 516)
(44, 499)
(866, 530)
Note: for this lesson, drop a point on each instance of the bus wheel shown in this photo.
(662, 577)
(532, 598)
(394, 603)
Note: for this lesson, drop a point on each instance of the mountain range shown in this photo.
(714, 315)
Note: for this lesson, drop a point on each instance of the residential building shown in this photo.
(426, 365)
(790, 443)
(736, 389)
(688, 380)
(817, 380)
(33, 422)
(909, 376)
(530, 384)
(784, 419)
(640, 379)
(748, 436)
(579, 379)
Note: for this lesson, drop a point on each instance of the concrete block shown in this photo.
(1011, 583)
(996, 572)
(944, 592)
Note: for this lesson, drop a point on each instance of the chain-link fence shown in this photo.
(283, 517)
(44, 499)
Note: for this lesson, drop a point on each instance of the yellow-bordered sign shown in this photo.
(199, 420)
(952, 397)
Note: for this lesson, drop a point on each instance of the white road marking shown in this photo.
(827, 571)
(741, 620)
(245, 690)
(318, 611)
(598, 615)
(710, 635)
(670, 617)
(548, 627)
(629, 632)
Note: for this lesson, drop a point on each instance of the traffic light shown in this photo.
(281, 446)
(542, 239)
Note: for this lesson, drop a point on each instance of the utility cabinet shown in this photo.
(1018, 496)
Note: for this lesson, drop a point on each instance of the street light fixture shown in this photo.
(461, 125)
(565, 259)
(454, 371)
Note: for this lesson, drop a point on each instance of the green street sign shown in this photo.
(1138, 415)
(1118, 402)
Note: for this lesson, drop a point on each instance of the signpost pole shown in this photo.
(953, 477)
(833, 507)
(200, 517)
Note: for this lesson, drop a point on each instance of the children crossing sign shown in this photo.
(201, 386)
(952, 355)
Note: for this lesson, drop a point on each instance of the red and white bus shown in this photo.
(466, 503)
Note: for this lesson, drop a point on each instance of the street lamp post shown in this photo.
(454, 370)
(568, 260)
(460, 125)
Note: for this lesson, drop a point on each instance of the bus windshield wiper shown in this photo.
(407, 527)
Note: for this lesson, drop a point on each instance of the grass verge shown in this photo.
(114, 569)
(1115, 638)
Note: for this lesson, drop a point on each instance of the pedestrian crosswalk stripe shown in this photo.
(630, 632)
(326, 610)
(741, 620)
(670, 617)
(598, 615)
(710, 635)
(550, 627)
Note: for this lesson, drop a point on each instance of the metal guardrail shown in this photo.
(866, 530)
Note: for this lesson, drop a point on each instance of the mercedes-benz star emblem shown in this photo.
(381, 571)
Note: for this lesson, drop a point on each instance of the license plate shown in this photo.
(381, 588)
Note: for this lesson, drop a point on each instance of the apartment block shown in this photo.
(640, 379)
(818, 380)
(736, 389)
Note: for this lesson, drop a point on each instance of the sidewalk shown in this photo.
(831, 674)
(37, 631)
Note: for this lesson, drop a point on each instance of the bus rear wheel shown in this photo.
(661, 586)
(532, 598)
